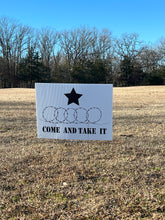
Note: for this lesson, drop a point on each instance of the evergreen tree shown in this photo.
(126, 68)
(31, 70)
(90, 72)
(131, 73)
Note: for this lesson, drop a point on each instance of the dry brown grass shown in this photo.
(49, 179)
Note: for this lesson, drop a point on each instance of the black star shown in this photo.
(73, 97)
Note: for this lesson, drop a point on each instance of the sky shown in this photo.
(144, 17)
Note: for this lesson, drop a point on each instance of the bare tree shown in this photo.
(13, 42)
(75, 45)
(8, 29)
(161, 50)
(103, 44)
(84, 45)
(128, 45)
(150, 59)
(47, 42)
(21, 41)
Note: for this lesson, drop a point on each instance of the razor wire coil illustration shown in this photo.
(70, 115)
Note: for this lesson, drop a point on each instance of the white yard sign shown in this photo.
(74, 111)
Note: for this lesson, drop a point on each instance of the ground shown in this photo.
(52, 179)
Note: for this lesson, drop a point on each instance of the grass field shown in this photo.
(50, 179)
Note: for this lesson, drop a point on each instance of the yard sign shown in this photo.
(74, 111)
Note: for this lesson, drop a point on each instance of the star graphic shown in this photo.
(73, 97)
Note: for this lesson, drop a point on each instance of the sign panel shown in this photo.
(74, 111)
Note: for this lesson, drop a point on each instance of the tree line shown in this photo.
(81, 55)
